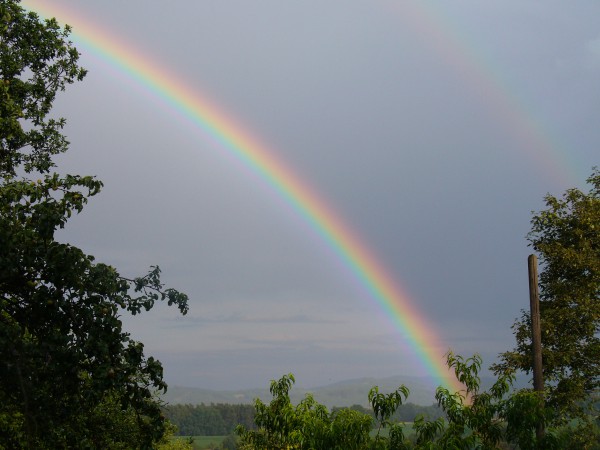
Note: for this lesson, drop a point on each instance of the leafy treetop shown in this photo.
(566, 235)
(70, 375)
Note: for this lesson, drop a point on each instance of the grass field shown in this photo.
(214, 442)
(205, 442)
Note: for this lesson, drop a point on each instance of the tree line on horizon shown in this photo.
(71, 377)
(220, 419)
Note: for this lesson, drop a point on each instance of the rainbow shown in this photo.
(394, 301)
(475, 69)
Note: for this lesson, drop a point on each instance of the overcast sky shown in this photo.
(432, 128)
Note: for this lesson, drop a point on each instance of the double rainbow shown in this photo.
(475, 69)
(231, 137)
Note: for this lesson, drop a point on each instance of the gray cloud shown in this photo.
(193, 321)
(383, 122)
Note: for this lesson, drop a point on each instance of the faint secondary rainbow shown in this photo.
(355, 255)
(461, 54)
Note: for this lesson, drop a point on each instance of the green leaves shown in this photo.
(474, 419)
(152, 290)
(45, 205)
(71, 377)
(309, 425)
(36, 61)
(566, 235)
(384, 406)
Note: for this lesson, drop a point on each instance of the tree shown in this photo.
(65, 361)
(309, 425)
(484, 419)
(473, 419)
(566, 235)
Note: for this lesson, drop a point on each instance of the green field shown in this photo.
(214, 442)
(205, 442)
(407, 427)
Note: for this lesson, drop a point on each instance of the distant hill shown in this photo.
(343, 393)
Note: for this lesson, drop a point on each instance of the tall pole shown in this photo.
(536, 333)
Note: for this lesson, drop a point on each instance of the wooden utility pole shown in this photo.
(536, 333)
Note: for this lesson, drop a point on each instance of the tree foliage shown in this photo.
(566, 235)
(309, 425)
(487, 419)
(217, 419)
(69, 372)
(473, 419)
(220, 419)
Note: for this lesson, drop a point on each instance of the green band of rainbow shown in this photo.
(390, 298)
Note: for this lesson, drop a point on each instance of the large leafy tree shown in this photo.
(70, 376)
(566, 235)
